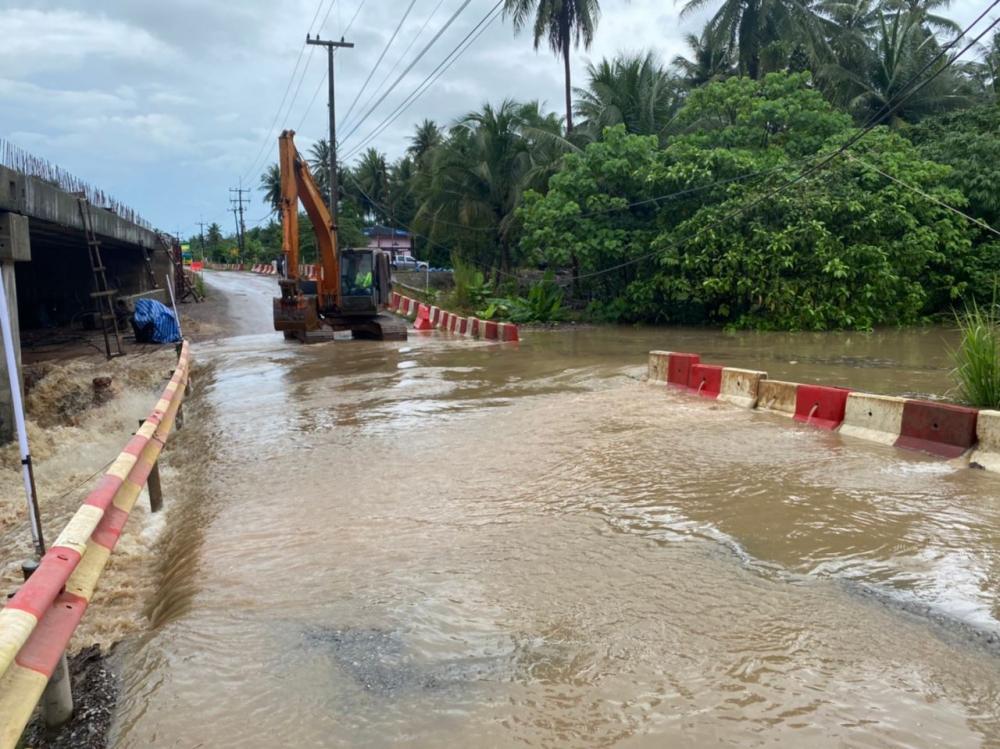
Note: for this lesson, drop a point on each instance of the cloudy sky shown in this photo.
(168, 104)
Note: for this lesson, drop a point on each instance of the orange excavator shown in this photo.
(352, 287)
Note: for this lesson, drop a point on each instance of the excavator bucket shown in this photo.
(296, 314)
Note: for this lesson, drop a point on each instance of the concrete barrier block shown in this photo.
(443, 320)
(435, 314)
(423, 321)
(877, 418)
(937, 428)
(821, 406)
(490, 330)
(987, 452)
(679, 368)
(777, 397)
(657, 367)
(741, 387)
(508, 332)
(475, 325)
(705, 380)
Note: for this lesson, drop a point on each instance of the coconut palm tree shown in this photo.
(370, 178)
(632, 89)
(755, 30)
(270, 185)
(710, 59)
(564, 24)
(427, 136)
(479, 173)
(319, 165)
(899, 49)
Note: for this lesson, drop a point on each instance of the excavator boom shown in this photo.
(297, 184)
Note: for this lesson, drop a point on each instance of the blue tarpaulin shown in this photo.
(155, 322)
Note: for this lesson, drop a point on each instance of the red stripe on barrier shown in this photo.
(423, 321)
(46, 644)
(490, 330)
(820, 406)
(474, 325)
(109, 530)
(394, 301)
(937, 428)
(41, 589)
(508, 332)
(443, 323)
(103, 492)
(679, 368)
(705, 380)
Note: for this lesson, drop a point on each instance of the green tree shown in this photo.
(680, 234)
(270, 185)
(319, 165)
(564, 24)
(633, 90)
(477, 177)
(878, 83)
(711, 59)
(370, 178)
(758, 33)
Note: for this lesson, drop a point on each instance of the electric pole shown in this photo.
(334, 181)
(201, 226)
(237, 204)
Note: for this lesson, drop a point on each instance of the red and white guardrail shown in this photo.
(38, 621)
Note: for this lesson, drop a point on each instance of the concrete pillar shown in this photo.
(14, 246)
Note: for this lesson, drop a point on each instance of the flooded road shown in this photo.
(447, 542)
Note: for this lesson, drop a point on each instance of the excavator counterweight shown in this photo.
(352, 288)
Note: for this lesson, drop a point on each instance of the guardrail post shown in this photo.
(57, 699)
(155, 489)
(154, 486)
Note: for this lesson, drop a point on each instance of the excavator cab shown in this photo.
(351, 289)
(365, 281)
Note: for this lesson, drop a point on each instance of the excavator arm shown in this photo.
(297, 184)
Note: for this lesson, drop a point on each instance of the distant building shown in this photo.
(396, 241)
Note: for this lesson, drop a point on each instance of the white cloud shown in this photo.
(50, 40)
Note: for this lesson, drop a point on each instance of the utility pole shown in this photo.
(237, 204)
(201, 226)
(334, 180)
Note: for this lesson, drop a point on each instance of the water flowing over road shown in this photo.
(448, 542)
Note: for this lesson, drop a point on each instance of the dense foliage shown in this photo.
(684, 193)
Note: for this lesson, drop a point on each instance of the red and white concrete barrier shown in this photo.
(942, 429)
(741, 387)
(987, 452)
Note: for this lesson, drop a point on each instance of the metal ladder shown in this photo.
(102, 294)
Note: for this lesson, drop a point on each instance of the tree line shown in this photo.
(641, 194)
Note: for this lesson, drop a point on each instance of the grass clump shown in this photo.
(977, 358)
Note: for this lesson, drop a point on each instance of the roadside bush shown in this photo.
(977, 358)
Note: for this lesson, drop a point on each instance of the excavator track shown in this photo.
(382, 327)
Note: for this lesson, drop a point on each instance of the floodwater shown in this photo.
(446, 542)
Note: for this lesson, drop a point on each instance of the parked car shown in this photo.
(405, 262)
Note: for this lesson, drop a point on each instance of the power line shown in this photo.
(432, 78)
(420, 55)
(319, 86)
(382, 54)
(402, 56)
(826, 160)
(277, 114)
(913, 188)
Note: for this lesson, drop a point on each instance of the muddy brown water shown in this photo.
(445, 542)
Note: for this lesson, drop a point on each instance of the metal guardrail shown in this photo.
(39, 620)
